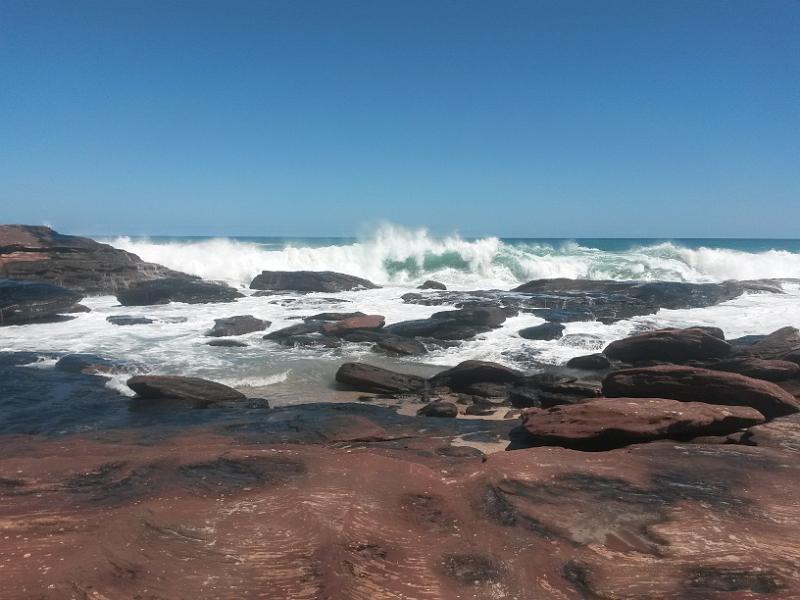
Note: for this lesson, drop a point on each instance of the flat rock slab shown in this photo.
(343, 326)
(669, 345)
(176, 289)
(759, 368)
(24, 302)
(690, 384)
(608, 423)
(309, 281)
(198, 391)
(109, 518)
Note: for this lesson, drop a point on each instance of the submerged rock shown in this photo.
(608, 423)
(430, 284)
(670, 345)
(200, 392)
(238, 325)
(309, 281)
(400, 346)
(545, 331)
(691, 384)
(368, 378)
(29, 302)
(227, 343)
(125, 320)
(164, 291)
(84, 363)
(35, 253)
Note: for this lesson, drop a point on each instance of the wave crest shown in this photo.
(406, 257)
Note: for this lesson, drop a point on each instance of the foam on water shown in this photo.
(398, 256)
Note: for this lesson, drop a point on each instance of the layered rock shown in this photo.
(309, 281)
(176, 289)
(451, 324)
(759, 368)
(34, 253)
(368, 378)
(238, 325)
(608, 423)
(29, 302)
(668, 345)
(200, 392)
(691, 384)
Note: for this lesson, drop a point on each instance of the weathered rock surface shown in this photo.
(691, 384)
(669, 345)
(367, 510)
(309, 281)
(430, 284)
(34, 253)
(590, 362)
(238, 325)
(776, 345)
(344, 326)
(475, 371)
(176, 289)
(200, 392)
(759, 368)
(545, 331)
(607, 423)
(368, 378)
(451, 324)
(28, 302)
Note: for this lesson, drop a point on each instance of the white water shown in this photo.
(397, 256)
(180, 348)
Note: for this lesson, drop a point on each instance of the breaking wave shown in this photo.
(399, 256)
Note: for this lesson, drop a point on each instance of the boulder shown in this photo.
(238, 325)
(27, 302)
(344, 326)
(607, 423)
(175, 289)
(439, 409)
(309, 281)
(200, 392)
(368, 378)
(34, 253)
(591, 362)
(475, 371)
(125, 320)
(84, 363)
(777, 344)
(400, 346)
(430, 284)
(545, 331)
(670, 345)
(691, 384)
(759, 368)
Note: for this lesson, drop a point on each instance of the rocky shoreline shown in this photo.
(664, 466)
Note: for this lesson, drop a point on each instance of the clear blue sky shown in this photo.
(559, 118)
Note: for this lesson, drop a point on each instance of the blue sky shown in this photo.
(561, 118)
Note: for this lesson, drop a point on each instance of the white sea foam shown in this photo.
(398, 256)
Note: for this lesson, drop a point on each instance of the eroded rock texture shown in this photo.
(207, 515)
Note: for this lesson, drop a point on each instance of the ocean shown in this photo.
(399, 260)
